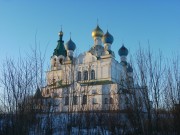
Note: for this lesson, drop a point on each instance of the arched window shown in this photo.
(92, 74)
(84, 100)
(61, 61)
(75, 99)
(85, 75)
(66, 100)
(111, 101)
(79, 76)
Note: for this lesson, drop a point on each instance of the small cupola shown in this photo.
(107, 38)
(60, 50)
(123, 51)
(70, 45)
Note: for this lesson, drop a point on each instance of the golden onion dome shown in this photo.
(97, 32)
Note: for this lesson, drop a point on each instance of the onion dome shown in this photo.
(97, 32)
(70, 45)
(123, 51)
(108, 38)
(60, 50)
(129, 69)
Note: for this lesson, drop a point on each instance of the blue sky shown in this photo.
(130, 22)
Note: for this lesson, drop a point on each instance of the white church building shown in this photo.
(94, 80)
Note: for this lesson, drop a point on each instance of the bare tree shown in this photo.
(20, 78)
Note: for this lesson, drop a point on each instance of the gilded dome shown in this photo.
(123, 51)
(108, 38)
(70, 45)
(60, 33)
(97, 32)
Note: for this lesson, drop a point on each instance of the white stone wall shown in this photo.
(106, 69)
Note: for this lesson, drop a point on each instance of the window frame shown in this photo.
(92, 74)
(79, 76)
(75, 100)
(85, 75)
(105, 100)
(84, 99)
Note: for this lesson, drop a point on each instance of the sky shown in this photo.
(132, 22)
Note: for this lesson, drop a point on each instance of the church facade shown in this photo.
(94, 80)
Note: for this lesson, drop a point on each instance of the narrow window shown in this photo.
(92, 74)
(66, 100)
(79, 76)
(85, 75)
(84, 101)
(75, 100)
(106, 101)
(111, 100)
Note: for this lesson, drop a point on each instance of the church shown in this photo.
(93, 80)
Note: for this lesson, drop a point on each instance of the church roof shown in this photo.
(95, 49)
(60, 49)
